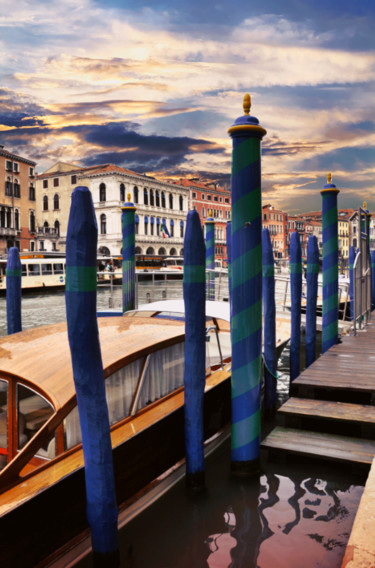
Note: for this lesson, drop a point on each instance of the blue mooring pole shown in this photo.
(128, 255)
(295, 256)
(80, 297)
(330, 327)
(373, 279)
(269, 319)
(13, 273)
(246, 316)
(210, 255)
(195, 348)
(351, 281)
(311, 298)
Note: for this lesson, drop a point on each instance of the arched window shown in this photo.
(172, 228)
(145, 196)
(161, 250)
(16, 219)
(150, 250)
(31, 193)
(56, 201)
(32, 222)
(102, 192)
(57, 227)
(181, 228)
(136, 224)
(122, 192)
(46, 227)
(158, 226)
(138, 250)
(170, 201)
(136, 192)
(152, 201)
(152, 221)
(173, 252)
(103, 224)
(157, 198)
(146, 225)
(181, 203)
(45, 203)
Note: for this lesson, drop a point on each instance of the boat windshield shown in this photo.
(3, 423)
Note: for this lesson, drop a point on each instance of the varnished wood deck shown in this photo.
(331, 413)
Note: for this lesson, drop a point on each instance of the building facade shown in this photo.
(17, 202)
(276, 221)
(158, 204)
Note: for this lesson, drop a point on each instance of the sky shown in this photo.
(153, 86)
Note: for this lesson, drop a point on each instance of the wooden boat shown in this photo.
(42, 493)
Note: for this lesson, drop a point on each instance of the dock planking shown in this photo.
(331, 412)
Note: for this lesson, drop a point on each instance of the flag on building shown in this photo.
(164, 230)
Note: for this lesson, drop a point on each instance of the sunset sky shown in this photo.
(154, 86)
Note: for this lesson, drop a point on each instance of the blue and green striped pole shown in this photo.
(210, 254)
(83, 335)
(295, 255)
(311, 298)
(351, 280)
(128, 255)
(13, 274)
(330, 265)
(373, 279)
(269, 318)
(246, 317)
(195, 348)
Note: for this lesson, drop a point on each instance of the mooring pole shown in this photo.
(246, 317)
(295, 255)
(311, 298)
(330, 265)
(13, 274)
(229, 262)
(210, 254)
(195, 348)
(351, 280)
(80, 297)
(269, 319)
(128, 255)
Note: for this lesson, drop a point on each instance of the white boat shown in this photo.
(37, 273)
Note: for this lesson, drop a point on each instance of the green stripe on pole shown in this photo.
(246, 380)
(240, 264)
(10, 272)
(295, 268)
(246, 153)
(193, 274)
(251, 314)
(81, 279)
(245, 210)
(246, 430)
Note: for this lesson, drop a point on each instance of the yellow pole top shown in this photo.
(128, 196)
(329, 178)
(364, 205)
(247, 103)
(210, 212)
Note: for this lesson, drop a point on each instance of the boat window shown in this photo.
(58, 268)
(33, 411)
(72, 429)
(33, 269)
(46, 269)
(120, 389)
(24, 270)
(3, 423)
(164, 374)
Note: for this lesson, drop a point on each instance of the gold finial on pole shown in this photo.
(329, 178)
(210, 212)
(364, 205)
(128, 197)
(247, 103)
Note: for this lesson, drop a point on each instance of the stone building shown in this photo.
(276, 221)
(17, 202)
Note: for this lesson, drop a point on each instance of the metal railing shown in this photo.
(361, 278)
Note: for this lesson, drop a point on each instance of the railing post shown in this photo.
(351, 280)
(311, 298)
(330, 265)
(83, 335)
(13, 274)
(128, 255)
(295, 255)
(269, 319)
(246, 321)
(195, 348)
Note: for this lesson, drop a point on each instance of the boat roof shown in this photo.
(218, 310)
(41, 358)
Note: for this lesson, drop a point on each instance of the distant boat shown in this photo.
(38, 272)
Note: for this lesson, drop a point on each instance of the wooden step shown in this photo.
(320, 445)
(328, 416)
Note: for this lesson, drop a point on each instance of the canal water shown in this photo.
(295, 515)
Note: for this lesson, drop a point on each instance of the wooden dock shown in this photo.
(331, 412)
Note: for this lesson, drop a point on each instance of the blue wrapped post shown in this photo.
(269, 318)
(128, 255)
(13, 273)
(373, 279)
(246, 317)
(210, 255)
(311, 298)
(229, 261)
(195, 348)
(295, 255)
(351, 281)
(330, 328)
(80, 298)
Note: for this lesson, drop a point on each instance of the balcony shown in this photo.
(49, 232)
(8, 232)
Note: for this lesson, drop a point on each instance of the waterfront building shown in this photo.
(17, 202)
(161, 208)
(205, 197)
(297, 223)
(276, 221)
